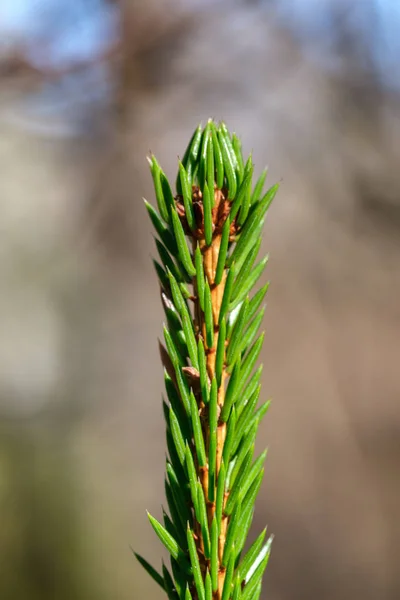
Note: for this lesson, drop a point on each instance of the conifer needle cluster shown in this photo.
(209, 237)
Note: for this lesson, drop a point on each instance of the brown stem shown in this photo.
(210, 260)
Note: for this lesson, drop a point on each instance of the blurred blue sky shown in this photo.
(58, 32)
(76, 29)
(79, 29)
(374, 22)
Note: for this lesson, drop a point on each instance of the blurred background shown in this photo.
(87, 88)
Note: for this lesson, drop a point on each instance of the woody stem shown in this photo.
(210, 259)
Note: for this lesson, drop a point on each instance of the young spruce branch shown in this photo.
(211, 346)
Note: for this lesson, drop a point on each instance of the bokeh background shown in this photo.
(87, 88)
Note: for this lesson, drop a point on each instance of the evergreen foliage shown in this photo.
(209, 239)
